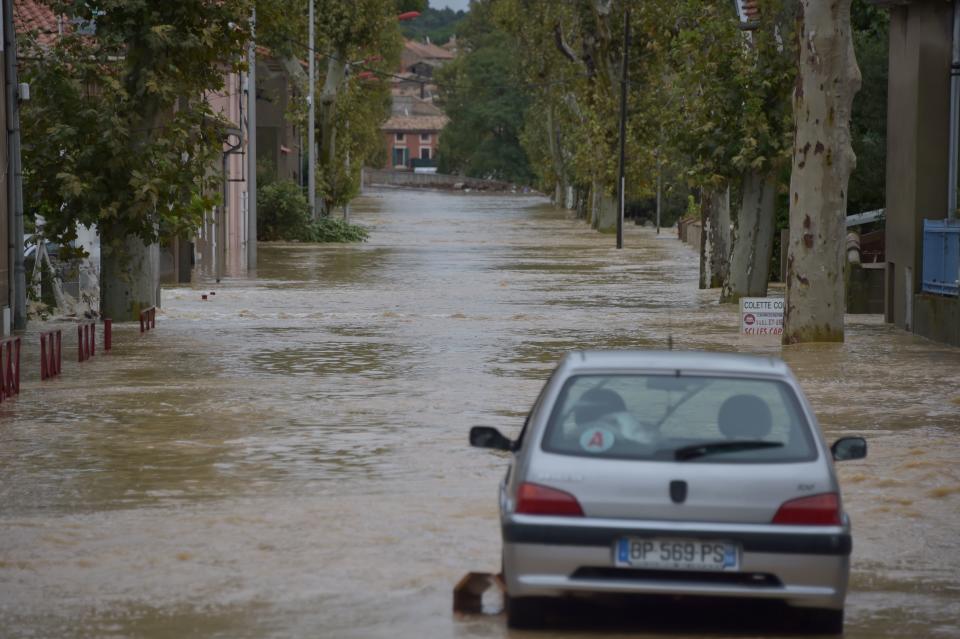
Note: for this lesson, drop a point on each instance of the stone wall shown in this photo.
(378, 177)
(937, 317)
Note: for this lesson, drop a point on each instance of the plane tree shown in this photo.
(355, 40)
(118, 133)
(823, 160)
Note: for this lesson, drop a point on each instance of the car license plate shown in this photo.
(677, 554)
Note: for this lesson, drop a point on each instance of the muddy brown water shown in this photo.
(289, 458)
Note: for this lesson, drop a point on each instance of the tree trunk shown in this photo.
(822, 162)
(556, 155)
(336, 75)
(719, 239)
(129, 269)
(582, 199)
(129, 280)
(753, 242)
(594, 212)
(715, 237)
(708, 216)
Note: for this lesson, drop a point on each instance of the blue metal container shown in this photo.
(941, 257)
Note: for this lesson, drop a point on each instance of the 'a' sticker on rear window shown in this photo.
(596, 440)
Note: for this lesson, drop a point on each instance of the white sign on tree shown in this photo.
(761, 316)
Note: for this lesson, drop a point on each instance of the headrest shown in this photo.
(745, 417)
(596, 403)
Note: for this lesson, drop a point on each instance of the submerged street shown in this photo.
(290, 458)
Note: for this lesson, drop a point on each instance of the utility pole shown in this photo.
(621, 184)
(954, 115)
(346, 205)
(18, 288)
(658, 192)
(311, 133)
(252, 147)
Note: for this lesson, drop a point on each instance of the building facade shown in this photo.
(412, 140)
(918, 161)
(7, 284)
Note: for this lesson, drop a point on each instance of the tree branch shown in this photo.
(562, 46)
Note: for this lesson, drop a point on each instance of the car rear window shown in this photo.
(667, 417)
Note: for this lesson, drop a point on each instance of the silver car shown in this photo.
(673, 473)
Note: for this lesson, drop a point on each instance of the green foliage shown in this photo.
(282, 212)
(361, 107)
(43, 298)
(437, 24)
(282, 27)
(330, 229)
(402, 6)
(693, 209)
(733, 90)
(359, 36)
(118, 133)
(704, 102)
(570, 55)
(484, 98)
(868, 126)
(351, 29)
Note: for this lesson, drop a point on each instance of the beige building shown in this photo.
(221, 243)
(918, 160)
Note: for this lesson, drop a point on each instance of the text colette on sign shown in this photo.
(761, 316)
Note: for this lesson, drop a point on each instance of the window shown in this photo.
(398, 137)
(652, 417)
(425, 137)
(425, 153)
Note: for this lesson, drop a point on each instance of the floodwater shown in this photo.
(289, 458)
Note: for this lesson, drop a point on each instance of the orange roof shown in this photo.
(30, 15)
(410, 105)
(415, 123)
(424, 51)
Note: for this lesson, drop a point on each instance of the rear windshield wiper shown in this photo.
(709, 448)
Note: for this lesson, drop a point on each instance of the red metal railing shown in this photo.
(86, 340)
(148, 318)
(107, 333)
(51, 359)
(9, 367)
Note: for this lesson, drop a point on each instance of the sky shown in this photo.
(456, 5)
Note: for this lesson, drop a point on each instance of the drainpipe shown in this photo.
(221, 232)
(18, 288)
(954, 114)
(252, 149)
(311, 126)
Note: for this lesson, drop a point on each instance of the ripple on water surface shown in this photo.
(289, 457)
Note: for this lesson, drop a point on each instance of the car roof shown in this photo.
(692, 361)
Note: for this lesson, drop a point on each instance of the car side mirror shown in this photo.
(489, 437)
(847, 448)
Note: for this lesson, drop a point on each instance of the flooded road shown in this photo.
(289, 458)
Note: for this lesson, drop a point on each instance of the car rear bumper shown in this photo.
(803, 566)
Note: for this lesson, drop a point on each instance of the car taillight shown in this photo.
(816, 510)
(534, 499)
